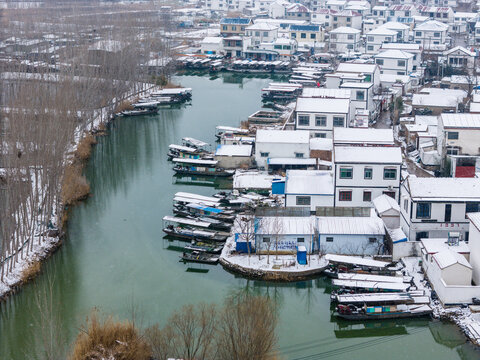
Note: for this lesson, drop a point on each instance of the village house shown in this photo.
(411, 48)
(363, 137)
(297, 12)
(380, 12)
(364, 173)
(430, 33)
(396, 62)
(344, 39)
(262, 33)
(321, 115)
(375, 38)
(460, 58)
(477, 33)
(346, 18)
(371, 72)
(288, 147)
(337, 5)
(284, 47)
(435, 103)
(234, 26)
(402, 11)
(443, 14)
(276, 9)
(212, 45)
(402, 30)
(234, 156)
(309, 188)
(306, 33)
(361, 97)
(461, 22)
(235, 46)
(433, 207)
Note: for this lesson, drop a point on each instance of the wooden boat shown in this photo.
(200, 257)
(186, 152)
(413, 297)
(204, 211)
(353, 312)
(199, 167)
(210, 248)
(232, 131)
(370, 286)
(191, 229)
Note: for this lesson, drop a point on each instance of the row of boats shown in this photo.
(213, 65)
(165, 97)
(364, 289)
(205, 221)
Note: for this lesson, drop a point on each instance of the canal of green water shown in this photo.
(115, 256)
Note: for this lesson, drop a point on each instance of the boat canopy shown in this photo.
(152, 104)
(196, 196)
(195, 161)
(353, 260)
(378, 278)
(374, 298)
(204, 208)
(182, 148)
(370, 285)
(233, 129)
(179, 199)
(185, 221)
(194, 142)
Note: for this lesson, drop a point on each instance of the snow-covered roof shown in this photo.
(447, 258)
(363, 136)
(458, 93)
(285, 225)
(322, 105)
(443, 189)
(355, 260)
(212, 40)
(356, 85)
(394, 54)
(368, 154)
(291, 161)
(461, 120)
(432, 25)
(314, 92)
(434, 100)
(325, 144)
(262, 26)
(392, 78)
(394, 25)
(345, 30)
(234, 150)
(435, 245)
(283, 136)
(385, 203)
(461, 49)
(107, 45)
(382, 31)
(311, 182)
(350, 225)
(475, 219)
(356, 68)
(401, 46)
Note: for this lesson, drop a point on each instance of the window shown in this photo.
(350, 37)
(294, 35)
(303, 35)
(389, 174)
(313, 36)
(350, 46)
(421, 235)
(320, 120)
(345, 195)
(423, 210)
(400, 72)
(338, 121)
(437, 34)
(471, 207)
(346, 173)
(303, 120)
(300, 240)
(448, 212)
(418, 33)
(264, 154)
(303, 200)
(277, 47)
(265, 33)
(360, 95)
(334, 18)
(379, 61)
(257, 33)
(349, 19)
(453, 150)
(321, 135)
(405, 205)
(234, 28)
(266, 239)
(333, 36)
(390, 193)
(370, 47)
(452, 135)
(224, 27)
(367, 196)
(401, 63)
(370, 39)
(388, 39)
(372, 240)
(329, 239)
(299, 155)
(368, 173)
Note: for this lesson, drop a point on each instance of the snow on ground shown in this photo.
(272, 263)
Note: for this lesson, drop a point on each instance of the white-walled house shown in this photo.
(309, 188)
(212, 45)
(396, 62)
(262, 33)
(474, 245)
(459, 134)
(344, 39)
(270, 144)
(459, 57)
(430, 33)
(377, 37)
(361, 96)
(433, 207)
(321, 115)
(363, 173)
(371, 72)
(411, 48)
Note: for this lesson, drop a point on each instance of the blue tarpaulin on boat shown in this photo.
(206, 208)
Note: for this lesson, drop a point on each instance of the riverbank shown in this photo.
(42, 246)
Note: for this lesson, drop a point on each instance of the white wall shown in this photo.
(350, 244)
(474, 245)
(315, 200)
(279, 150)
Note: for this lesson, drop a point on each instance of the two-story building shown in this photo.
(297, 12)
(306, 33)
(411, 48)
(262, 33)
(235, 46)
(396, 62)
(433, 207)
(361, 96)
(430, 33)
(377, 37)
(344, 39)
(443, 14)
(371, 72)
(346, 18)
(320, 115)
(363, 173)
(309, 188)
(460, 58)
(234, 26)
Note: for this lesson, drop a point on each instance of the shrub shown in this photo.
(75, 186)
(30, 272)
(84, 148)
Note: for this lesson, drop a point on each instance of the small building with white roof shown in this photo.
(396, 62)
(281, 144)
(430, 33)
(234, 156)
(309, 188)
(370, 72)
(212, 45)
(361, 97)
(459, 134)
(321, 115)
(388, 210)
(344, 39)
(433, 207)
(363, 137)
(375, 39)
(262, 32)
(364, 173)
(459, 57)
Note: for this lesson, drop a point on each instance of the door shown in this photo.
(448, 212)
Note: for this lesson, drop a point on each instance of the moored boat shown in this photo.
(199, 167)
(353, 312)
(210, 248)
(200, 257)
